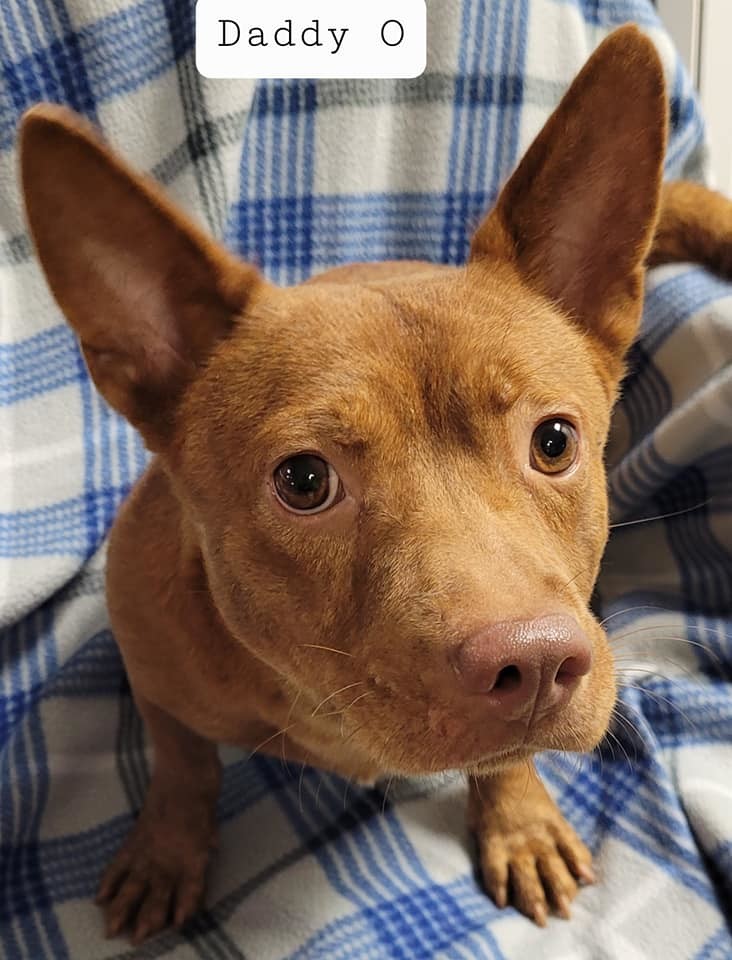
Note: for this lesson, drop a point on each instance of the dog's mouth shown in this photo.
(439, 737)
(496, 762)
(477, 755)
(429, 754)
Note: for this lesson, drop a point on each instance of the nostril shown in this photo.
(522, 660)
(569, 671)
(509, 678)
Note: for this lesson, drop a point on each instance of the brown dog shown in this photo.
(377, 510)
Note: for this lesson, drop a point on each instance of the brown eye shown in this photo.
(554, 446)
(306, 483)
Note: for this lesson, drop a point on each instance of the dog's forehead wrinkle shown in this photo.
(449, 336)
(443, 361)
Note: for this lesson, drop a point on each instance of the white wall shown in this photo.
(702, 30)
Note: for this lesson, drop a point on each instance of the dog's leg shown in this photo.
(529, 855)
(158, 873)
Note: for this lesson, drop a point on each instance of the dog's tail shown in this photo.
(694, 225)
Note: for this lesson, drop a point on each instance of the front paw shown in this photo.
(157, 877)
(530, 857)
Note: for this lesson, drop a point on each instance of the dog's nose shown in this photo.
(519, 663)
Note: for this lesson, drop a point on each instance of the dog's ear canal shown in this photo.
(148, 294)
(578, 215)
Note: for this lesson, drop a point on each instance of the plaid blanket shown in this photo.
(299, 176)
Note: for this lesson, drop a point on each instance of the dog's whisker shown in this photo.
(386, 792)
(277, 733)
(574, 757)
(702, 646)
(353, 733)
(292, 707)
(619, 613)
(476, 781)
(625, 752)
(621, 640)
(287, 724)
(636, 731)
(692, 643)
(663, 638)
(631, 731)
(317, 791)
(651, 655)
(338, 713)
(299, 785)
(366, 693)
(320, 646)
(578, 743)
(571, 581)
(647, 628)
(662, 516)
(384, 746)
(659, 698)
(647, 671)
(595, 756)
(335, 693)
(621, 747)
(653, 651)
(576, 763)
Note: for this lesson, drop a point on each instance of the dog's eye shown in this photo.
(554, 446)
(306, 483)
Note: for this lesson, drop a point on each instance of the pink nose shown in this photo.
(519, 663)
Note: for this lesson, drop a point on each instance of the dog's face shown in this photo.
(365, 465)
(397, 484)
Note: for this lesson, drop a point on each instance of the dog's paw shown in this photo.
(157, 877)
(537, 867)
(530, 857)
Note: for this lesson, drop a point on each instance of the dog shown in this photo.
(376, 510)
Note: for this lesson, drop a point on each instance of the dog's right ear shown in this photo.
(147, 292)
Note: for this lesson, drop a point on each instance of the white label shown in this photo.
(311, 38)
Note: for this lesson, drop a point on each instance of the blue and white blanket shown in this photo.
(299, 176)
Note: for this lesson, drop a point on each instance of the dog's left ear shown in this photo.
(578, 215)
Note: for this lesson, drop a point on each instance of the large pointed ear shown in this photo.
(577, 217)
(147, 292)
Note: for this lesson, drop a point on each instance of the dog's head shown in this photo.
(396, 481)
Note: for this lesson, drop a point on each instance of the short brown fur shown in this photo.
(327, 639)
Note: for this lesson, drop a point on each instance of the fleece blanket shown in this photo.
(299, 176)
